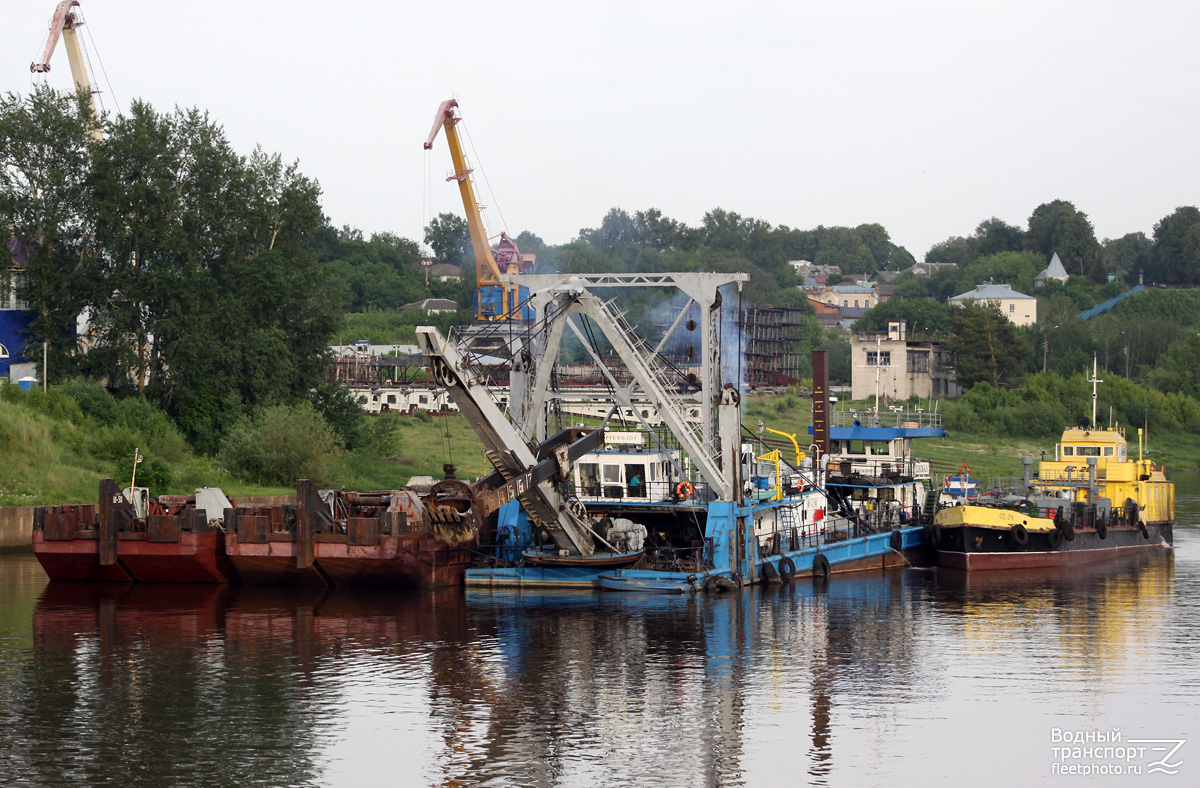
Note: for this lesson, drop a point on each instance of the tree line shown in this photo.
(189, 267)
(212, 283)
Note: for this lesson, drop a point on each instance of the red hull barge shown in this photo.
(264, 547)
(174, 543)
(189, 558)
(393, 538)
(406, 561)
(67, 545)
(382, 539)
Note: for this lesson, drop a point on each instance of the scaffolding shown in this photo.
(773, 339)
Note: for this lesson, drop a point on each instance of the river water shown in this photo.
(910, 677)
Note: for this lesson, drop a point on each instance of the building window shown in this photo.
(918, 361)
(882, 358)
(1012, 308)
(856, 303)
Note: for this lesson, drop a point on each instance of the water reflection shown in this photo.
(844, 683)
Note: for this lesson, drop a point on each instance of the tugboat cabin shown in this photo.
(626, 475)
(1121, 478)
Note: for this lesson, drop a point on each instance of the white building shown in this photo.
(898, 366)
(1055, 270)
(853, 296)
(1017, 307)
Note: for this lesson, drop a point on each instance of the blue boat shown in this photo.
(683, 504)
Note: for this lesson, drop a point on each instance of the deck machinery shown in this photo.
(697, 510)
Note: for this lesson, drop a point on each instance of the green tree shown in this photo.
(280, 444)
(845, 248)
(920, 315)
(986, 345)
(1016, 269)
(46, 208)
(1175, 258)
(1060, 227)
(956, 249)
(993, 236)
(615, 230)
(528, 242)
(1127, 257)
(449, 237)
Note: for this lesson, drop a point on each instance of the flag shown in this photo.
(885, 399)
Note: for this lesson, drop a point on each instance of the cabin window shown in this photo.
(636, 476)
(856, 447)
(612, 474)
(880, 448)
(589, 474)
(835, 447)
(1108, 451)
(1068, 451)
(1088, 451)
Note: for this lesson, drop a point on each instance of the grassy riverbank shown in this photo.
(50, 457)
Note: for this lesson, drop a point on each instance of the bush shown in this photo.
(280, 444)
(151, 472)
(380, 436)
(93, 399)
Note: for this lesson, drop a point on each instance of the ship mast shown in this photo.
(1094, 380)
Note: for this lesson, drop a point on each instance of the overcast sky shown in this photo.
(924, 116)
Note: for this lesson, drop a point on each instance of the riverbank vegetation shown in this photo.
(189, 295)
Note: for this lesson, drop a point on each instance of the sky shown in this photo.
(924, 116)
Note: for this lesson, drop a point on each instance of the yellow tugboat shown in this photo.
(1092, 502)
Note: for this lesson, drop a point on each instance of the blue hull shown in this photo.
(651, 582)
(847, 555)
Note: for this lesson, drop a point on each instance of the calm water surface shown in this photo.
(912, 677)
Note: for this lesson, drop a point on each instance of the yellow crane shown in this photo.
(494, 300)
(63, 25)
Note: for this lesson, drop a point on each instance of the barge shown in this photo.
(395, 538)
(1092, 502)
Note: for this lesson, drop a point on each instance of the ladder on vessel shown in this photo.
(931, 498)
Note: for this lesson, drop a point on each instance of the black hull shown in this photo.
(974, 547)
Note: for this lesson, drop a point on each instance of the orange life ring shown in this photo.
(966, 468)
(684, 490)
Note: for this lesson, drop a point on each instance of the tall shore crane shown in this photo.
(63, 24)
(494, 300)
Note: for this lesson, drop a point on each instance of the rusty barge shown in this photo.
(393, 538)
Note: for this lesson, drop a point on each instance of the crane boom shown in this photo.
(494, 299)
(63, 25)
